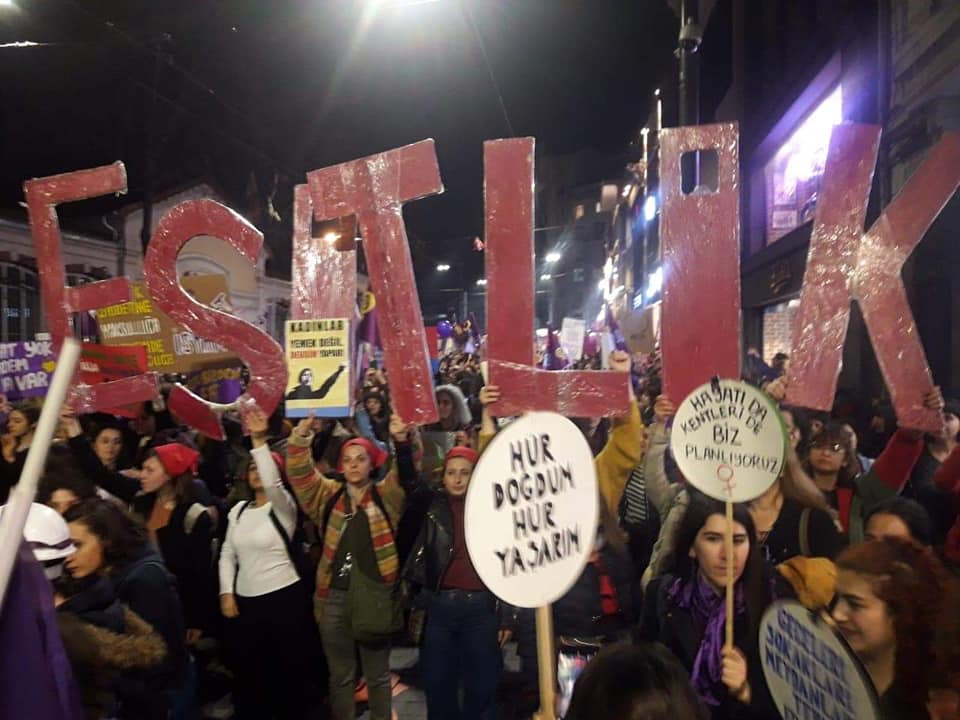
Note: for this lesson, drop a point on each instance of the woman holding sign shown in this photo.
(466, 625)
(897, 609)
(685, 610)
(357, 574)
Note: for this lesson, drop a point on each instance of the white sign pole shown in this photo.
(21, 497)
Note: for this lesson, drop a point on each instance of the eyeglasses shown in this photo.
(835, 447)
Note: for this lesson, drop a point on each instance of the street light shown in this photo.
(546, 276)
(482, 282)
(553, 256)
(442, 267)
(650, 208)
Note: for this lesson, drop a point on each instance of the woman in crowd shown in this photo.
(261, 590)
(921, 487)
(62, 487)
(898, 517)
(896, 607)
(685, 610)
(112, 544)
(373, 418)
(635, 682)
(791, 517)
(452, 407)
(357, 519)
(21, 424)
(464, 630)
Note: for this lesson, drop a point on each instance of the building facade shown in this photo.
(255, 296)
(786, 72)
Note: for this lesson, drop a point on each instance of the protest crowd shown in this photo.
(269, 575)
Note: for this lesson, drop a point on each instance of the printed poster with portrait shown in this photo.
(318, 364)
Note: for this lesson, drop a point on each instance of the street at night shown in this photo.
(476, 360)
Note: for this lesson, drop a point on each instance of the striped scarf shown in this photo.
(381, 534)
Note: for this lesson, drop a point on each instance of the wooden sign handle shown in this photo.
(546, 658)
(728, 550)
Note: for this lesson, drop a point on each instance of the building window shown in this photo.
(279, 314)
(578, 212)
(794, 173)
(20, 300)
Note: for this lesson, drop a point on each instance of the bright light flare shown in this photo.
(553, 256)
(442, 267)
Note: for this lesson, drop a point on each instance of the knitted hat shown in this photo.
(177, 459)
(377, 456)
(461, 451)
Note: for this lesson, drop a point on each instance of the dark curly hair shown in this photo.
(120, 533)
(921, 598)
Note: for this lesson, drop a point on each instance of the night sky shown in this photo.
(226, 91)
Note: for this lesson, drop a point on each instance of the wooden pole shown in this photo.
(546, 659)
(728, 549)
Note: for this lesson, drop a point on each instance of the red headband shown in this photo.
(177, 459)
(461, 451)
(377, 456)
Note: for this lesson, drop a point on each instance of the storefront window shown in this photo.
(793, 175)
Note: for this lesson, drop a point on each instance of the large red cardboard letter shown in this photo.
(59, 301)
(846, 264)
(324, 278)
(700, 324)
(508, 200)
(262, 355)
(374, 189)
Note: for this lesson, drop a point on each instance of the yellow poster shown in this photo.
(318, 363)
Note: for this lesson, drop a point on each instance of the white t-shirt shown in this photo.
(254, 552)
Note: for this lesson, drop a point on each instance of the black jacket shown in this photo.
(150, 590)
(430, 556)
(579, 612)
(190, 555)
(666, 622)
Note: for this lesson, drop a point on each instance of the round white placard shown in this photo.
(531, 511)
(728, 440)
(809, 669)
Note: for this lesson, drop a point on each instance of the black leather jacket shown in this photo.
(428, 560)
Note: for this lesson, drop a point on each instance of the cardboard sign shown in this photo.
(170, 348)
(531, 512)
(810, 671)
(641, 329)
(508, 201)
(729, 440)
(699, 232)
(572, 333)
(216, 384)
(318, 367)
(101, 364)
(26, 369)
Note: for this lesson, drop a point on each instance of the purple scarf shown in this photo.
(708, 610)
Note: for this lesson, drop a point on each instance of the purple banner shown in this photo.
(26, 369)
(219, 385)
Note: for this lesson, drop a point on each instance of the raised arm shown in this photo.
(489, 394)
(284, 506)
(313, 490)
(624, 447)
(122, 486)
